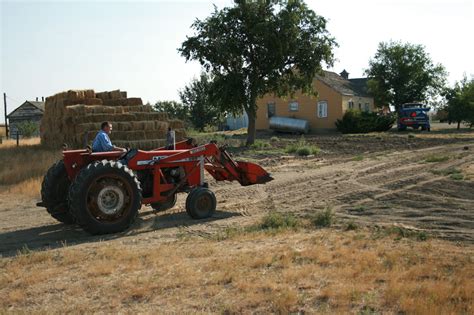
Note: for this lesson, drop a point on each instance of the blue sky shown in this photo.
(47, 47)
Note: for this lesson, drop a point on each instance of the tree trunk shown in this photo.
(251, 129)
(459, 123)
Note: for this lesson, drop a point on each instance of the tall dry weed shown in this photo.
(21, 168)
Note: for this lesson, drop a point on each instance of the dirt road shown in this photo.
(413, 188)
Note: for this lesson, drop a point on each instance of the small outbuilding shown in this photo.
(28, 112)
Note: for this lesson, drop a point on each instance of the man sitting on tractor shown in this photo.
(102, 141)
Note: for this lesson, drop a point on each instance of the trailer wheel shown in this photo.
(54, 190)
(201, 203)
(105, 197)
(163, 206)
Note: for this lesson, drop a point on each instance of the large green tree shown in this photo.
(460, 102)
(259, 47)
(196, 96)
(173, 109)
(402, 72)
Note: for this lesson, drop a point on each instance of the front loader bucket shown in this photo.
(252, 174)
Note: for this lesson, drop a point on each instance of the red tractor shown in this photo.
(103, 191)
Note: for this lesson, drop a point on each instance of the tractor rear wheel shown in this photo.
(201, 203)
(163, 206)
(105, 197)
(54, 190)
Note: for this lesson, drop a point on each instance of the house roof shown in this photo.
(360, 86)
(356, 87)
(39, 105)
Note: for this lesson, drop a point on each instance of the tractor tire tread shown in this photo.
(76, 194)
(49, 183)
(190, 201)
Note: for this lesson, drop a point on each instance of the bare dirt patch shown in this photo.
(386, 187)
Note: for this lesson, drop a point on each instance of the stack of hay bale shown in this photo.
(75, 116)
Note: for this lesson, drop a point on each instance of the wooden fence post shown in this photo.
(17, 139)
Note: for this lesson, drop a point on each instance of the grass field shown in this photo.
(278, 271)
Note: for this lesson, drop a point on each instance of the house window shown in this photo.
(271, 111)
(322, 109)
(293, 107)
(360, 106)
(367, 107)
(351, 105)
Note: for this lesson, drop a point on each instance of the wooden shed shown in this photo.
(29, 111)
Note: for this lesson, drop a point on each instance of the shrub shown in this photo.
(27, 128)
(260, 144)
(351, 226)
(302, 148)
(355, 121)
(324, 218)
(402, 232)
(274, 139)
(304, 151)
(457, 176)
(275, 220)
(436, 158)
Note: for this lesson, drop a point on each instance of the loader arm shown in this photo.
(218, 162)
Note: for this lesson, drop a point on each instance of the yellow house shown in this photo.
(336, 94)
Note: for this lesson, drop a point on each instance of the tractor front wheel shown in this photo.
(54, 189)
(105, 197)
(201, 203)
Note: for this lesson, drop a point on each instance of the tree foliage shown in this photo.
(402, 72)
(173, 109)
(460, 102)
(259, 47)
(196, 97)
(27, 128)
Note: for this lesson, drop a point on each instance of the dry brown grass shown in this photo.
(323, 271)
(23, 142)
(22, 168)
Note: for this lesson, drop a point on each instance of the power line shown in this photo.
(11, 98)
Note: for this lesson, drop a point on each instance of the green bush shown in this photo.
(275, 220)
(302, 148)
(457, 176)
(436, 158)
(304, 151)
(324, 218)
(27, 128)
(355, 121)
(260, 144)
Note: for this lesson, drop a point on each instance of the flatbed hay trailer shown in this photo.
(103, 191)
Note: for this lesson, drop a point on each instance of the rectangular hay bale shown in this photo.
(134, 101)
(115, 102)
(115, 94)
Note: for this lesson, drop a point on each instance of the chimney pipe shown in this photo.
(344, 74)
(37, 98)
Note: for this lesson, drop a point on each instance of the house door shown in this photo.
(271, 110)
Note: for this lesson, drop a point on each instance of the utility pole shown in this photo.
(5, 104)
